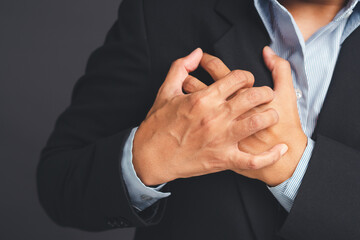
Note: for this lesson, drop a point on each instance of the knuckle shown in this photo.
(284, 63)
(177, 62)
(253, 95)
(228, 108)
(252, 163)
(204, 122)
(189, 84)
(197, 101)
(217, 91)
(194, 99)
(274, 116)
(214, 64)
(207, 123)
(235, 78)
(268, 92)
(201, 102)
(256, 122)
(239, 75)
(249, 76)
(276, 157)
(207, 166)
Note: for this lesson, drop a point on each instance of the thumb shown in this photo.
(280, 70)
(178, 72)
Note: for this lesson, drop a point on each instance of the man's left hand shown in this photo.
(288, 130)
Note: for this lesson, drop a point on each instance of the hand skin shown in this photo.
(187, 135)
(288, 129)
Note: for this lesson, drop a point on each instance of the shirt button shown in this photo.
(145, 197)
(110, 223)
(298, 93)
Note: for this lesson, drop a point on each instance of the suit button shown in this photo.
(298, 93)
(123, 224)
(110, 223)
(117, 222)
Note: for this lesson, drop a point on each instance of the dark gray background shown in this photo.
(44, 45)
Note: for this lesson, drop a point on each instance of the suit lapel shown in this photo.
(241, 48)
(339, 115)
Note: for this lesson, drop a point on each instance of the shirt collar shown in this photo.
(263, 8)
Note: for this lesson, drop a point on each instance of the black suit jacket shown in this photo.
(79, 181)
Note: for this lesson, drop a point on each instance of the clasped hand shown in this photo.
(229, 125)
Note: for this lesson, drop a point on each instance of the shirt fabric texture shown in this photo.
(312, 63)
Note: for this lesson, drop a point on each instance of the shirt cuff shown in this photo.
(141, 196)
(286, 192)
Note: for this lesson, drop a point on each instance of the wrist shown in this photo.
(289, 161)
(147, 162)
(144, 171)
(139, 160)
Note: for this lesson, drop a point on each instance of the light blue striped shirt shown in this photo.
(312, 63)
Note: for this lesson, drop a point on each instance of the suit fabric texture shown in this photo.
(79, 178)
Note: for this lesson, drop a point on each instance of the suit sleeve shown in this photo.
(78, 177)
(327, 204)
(141, 196)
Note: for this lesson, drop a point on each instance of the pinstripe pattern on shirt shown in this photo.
(312, 63)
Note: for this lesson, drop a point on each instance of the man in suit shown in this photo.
(230, 158)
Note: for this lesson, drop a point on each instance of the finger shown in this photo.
(230, 84)
(214, 66)
(236, 93)
(247, 100)
(252, 111)
(280, 70)
(192, 84)
(243, 128)
(246, 161)
(178, 72)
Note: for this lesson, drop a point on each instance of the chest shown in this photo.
(239, 45)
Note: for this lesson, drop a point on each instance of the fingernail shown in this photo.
(271, 51)
(196, 49)
(284, 149)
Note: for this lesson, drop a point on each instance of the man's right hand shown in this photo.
(187, 135)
